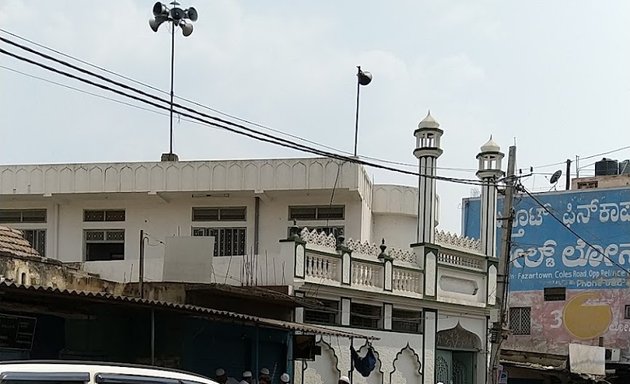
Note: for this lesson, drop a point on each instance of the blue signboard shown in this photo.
(545, 253)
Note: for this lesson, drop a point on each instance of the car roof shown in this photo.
(100, 367)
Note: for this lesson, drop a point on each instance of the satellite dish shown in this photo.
(556, 176)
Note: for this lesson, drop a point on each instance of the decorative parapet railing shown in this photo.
(446, 239)
(318, 238)
(407, 281)
(458, 260)
(324, 268)
(367, 274)
(368, 267)
(321, 239)
(450, 239)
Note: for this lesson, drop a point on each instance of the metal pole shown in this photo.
(257, 352)
(568, 175)
(356, 118)
(351, 361)
(170, 151)
(152, 337)
(141, 267)
(504, 266)
(577, 166)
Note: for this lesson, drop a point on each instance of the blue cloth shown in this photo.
(366, 364)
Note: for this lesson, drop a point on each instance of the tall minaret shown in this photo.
(427, 151)
(489, 172)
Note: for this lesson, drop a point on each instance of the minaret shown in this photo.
(427, 151)
(489, 172)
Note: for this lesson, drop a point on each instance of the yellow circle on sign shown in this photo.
(588, 321)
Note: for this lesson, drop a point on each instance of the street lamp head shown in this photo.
(191, 14)
(187, 28)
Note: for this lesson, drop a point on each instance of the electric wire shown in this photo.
(266, 127)
(267, 138)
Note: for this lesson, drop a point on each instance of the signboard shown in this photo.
(16, 332)
(545, 254)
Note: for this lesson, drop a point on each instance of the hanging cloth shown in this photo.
(366, 364)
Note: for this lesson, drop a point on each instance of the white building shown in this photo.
(426, 304)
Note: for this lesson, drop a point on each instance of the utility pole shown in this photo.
(141, 267)
(568, 175)
(499, 327)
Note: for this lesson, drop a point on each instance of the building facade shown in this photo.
(568, 281)
(368, 255)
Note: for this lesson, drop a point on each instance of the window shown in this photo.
(555, 294)
(327, 313)
(37, 238)
(406, 321)
(22, 215)
(520, 320)
(365, 316)
(335, 230)
(627, 312)
(227, 241)
(104, 215)
(333, 212)
(104, 244)
(219, 214)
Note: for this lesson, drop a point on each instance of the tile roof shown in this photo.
(13, 243)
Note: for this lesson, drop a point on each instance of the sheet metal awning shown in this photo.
(215, 314)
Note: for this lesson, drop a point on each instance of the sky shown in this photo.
(550, 76)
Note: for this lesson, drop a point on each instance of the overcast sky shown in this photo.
(552, 75)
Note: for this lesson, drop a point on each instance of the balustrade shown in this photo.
(460, 261)
(322, 267)
(408, 281)
(367, 275)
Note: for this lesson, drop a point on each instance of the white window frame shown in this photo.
(21, 221)
(105, 232)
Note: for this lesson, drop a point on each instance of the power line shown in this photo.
(587, 157)
(250, 132)
(461, 169)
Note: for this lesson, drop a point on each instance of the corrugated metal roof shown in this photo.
(105, 297)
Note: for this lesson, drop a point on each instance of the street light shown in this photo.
(178, 17)
(363, 78)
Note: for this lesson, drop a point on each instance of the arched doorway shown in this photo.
(456, 355)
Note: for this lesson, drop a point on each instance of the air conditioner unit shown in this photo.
(613, 354)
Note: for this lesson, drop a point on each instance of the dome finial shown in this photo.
(429, 122)
(490, 146)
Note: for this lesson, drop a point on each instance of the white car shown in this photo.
(66, 372)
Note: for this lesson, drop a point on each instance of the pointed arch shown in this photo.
(458, 337)
(397, 372)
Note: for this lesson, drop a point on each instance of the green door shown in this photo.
(463, 367)
(443, 366)
(454, 367)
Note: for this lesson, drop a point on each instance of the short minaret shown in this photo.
(489, 172)
(427, 151)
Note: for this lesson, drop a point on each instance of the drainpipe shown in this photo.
(256, 223)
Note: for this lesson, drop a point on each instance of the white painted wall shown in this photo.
(399, 231)
(391, 351)
(170, 214)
